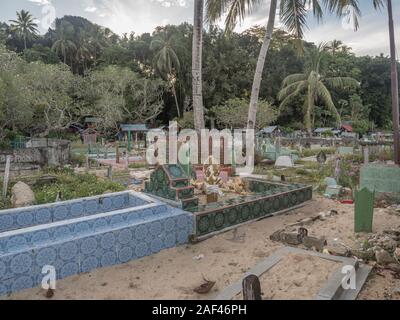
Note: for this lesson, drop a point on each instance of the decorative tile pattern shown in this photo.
(268, 198)
(38, 215)
(94, 241)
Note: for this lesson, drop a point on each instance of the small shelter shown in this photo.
(130, 130)
(270, 132)
(89, 136)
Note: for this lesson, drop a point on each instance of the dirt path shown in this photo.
(173, 274)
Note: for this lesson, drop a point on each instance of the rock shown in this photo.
(22, 195)
(340, 251)
(292, 238)
(315, 243)
(397, 254)
(384, 258)
(276, 236)
(395, 267)
(366, 255)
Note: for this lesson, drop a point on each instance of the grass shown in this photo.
(314, 152)
(71, 185)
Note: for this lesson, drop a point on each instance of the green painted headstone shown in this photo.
(364, 210)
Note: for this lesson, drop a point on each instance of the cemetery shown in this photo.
(196, 161)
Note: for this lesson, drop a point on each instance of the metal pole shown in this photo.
(395, 86)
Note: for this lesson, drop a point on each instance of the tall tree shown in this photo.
(64, 45)
(395, 83)
(197, 64)
(166, 62)
(313, 86)
(293, 16)
(24, 26)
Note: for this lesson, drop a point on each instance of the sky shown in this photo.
(139, 16)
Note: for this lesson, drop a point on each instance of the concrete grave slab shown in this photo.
(331, 290)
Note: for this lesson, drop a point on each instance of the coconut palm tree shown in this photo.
(197, 63)
(313, 86)
(293, 16)
(63, 45)
(82, 52)
(166, 62)
(24, 26)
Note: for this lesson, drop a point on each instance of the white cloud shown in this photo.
(41, 2)
(91, 9)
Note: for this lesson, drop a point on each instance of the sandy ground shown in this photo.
(173, 274)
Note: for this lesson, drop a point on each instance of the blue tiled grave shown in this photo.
(90, 233)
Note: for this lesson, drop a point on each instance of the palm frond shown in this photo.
(325, 96)
(293, 15)
(342, 83)
(293, 78)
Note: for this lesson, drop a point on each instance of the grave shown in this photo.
(344, 151)
(284, 162)
(263, 199)
(85, 234)
(331, 267)
(364, 211)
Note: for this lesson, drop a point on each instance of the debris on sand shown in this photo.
(296, 238)
(205, 287)
(50, 293)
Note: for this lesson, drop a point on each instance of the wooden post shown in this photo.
(251, 288)
(117, 153)
(6, 177)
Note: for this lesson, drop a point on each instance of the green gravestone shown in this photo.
(364, 211)
(344, 151)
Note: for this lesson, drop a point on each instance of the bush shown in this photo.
(73, 186)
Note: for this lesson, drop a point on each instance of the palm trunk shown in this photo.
(25, 41)
(197, 52)
(176, 101)
(255, 93)
(395, 86)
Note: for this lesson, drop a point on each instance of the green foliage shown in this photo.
(361, 126)
(312, 86)
(40, 53)
(147, 78)
(233, 114)
(187, 120)
(74, 186)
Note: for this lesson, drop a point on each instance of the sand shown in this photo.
(173, 274)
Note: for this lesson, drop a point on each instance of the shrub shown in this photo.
(73, 186)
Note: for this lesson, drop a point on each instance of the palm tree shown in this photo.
(293, 16)
(395, 81)
(334, 46)
(314, 87)
(63, 45)
(82, 53)
(24, 26)
(197, 63)
(166, 62)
